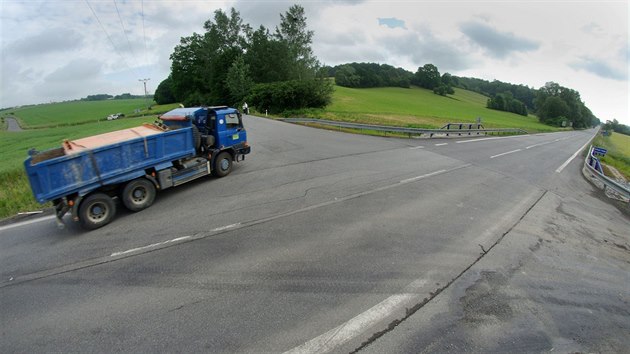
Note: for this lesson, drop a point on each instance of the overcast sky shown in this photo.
(67, 49)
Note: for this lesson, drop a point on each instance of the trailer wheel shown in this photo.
(223, 164)
(138, 194)
(96, 210)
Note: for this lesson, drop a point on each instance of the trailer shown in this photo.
(86, 176)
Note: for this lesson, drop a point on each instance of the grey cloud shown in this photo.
(498, 44)
(425, 48)
(78, 70)
(600, 68)
(53, 40)
(267, 13)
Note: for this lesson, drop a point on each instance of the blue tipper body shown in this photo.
(84, 175)
(111, 164)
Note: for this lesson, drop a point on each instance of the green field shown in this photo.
(80, 112)
(618, 155)
(421, 108)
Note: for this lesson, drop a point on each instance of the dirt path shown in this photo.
(13, 125)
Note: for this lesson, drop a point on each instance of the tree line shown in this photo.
(232, 63)
(104, 96)
(553, 104)
(614, 125)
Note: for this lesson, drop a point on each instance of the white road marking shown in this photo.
(343, 333)
(28, 222)
(421, 177)
(222, 228)
(150, 246)
(506, 153)
(416, 147)
(493, 138)
(154, 245)
(572, 157)
(473, 140)
(441, 144)
(535, 145)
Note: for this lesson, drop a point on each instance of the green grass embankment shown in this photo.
(618, 155)
(419, 108)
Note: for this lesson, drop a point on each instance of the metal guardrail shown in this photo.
(404, 130)
(593, 166)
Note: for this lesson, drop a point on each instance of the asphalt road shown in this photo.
(318, 241)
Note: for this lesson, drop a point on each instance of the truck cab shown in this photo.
(218, 133)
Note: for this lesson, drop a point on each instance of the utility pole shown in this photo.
(144, 81)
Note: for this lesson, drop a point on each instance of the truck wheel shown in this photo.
(96, 210)
(138, 194)
(223, 164)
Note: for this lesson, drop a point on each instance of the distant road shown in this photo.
(13, 125)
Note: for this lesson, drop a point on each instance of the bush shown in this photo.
(280, 96)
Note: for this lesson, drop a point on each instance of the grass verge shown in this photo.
(618, 155)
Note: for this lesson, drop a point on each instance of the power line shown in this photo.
(133, 55)
(109, 37)
(144, 35)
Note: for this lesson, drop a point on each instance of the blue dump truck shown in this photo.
(85, 176)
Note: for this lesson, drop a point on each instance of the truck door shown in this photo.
(233, 133)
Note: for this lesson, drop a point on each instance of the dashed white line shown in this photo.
(115, 254)
(473, 140)
(222, 228)
(506, 153)
(442, 144)
(493, 138)
(535, 145)
(28, 222)
(416, 147)
(421, 177)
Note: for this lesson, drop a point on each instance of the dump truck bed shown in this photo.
(83, 165)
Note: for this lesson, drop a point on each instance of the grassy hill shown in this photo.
(416, 107)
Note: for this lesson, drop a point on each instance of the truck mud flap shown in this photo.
(61, 208)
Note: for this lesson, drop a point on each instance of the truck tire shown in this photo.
(223, 164)
(96, 210)
(138, 194)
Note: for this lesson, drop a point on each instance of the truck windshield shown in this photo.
(232, 121)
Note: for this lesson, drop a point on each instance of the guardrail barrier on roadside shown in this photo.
(593, 168)
(470, 130)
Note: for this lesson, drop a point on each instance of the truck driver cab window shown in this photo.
(232, 121)
(211, 121)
